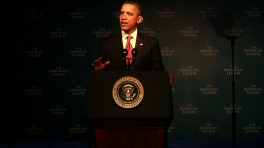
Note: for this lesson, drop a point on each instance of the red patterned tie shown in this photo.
(129, 50)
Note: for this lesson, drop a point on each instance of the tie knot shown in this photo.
(129, 37)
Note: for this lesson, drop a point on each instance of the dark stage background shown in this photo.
(54, 43)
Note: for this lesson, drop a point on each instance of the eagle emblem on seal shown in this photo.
(128, 92)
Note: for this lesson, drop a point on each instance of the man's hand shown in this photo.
(98, 65)
(171, 78)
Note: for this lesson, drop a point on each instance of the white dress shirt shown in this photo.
(132, 41)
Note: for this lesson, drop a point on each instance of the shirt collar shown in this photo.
(134, 34)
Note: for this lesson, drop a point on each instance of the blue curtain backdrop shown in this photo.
(58, 41)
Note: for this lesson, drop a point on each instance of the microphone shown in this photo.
(134, 54)
(124, 54)
(124, 57)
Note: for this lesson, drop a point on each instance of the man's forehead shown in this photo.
(128, 8)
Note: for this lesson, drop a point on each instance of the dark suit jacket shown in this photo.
(148, 53)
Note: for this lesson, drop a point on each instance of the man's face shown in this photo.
(128, 18)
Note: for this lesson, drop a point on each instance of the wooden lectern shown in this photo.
(142, 126)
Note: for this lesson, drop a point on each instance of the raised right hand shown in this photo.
(98, 65)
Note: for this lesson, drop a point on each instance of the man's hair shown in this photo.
(133, 2)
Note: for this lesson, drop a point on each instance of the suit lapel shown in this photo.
(118, 47)
(140, 48)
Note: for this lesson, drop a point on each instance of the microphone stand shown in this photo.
(134, 54)
(233, 38)
(128, 66)
(124, 54)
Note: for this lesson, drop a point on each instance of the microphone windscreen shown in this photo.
(124, 52)
(134, 52)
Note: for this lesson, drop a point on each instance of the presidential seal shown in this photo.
(128, 92)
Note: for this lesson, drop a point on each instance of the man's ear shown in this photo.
(139, 19)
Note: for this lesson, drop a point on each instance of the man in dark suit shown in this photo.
(146, 53)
